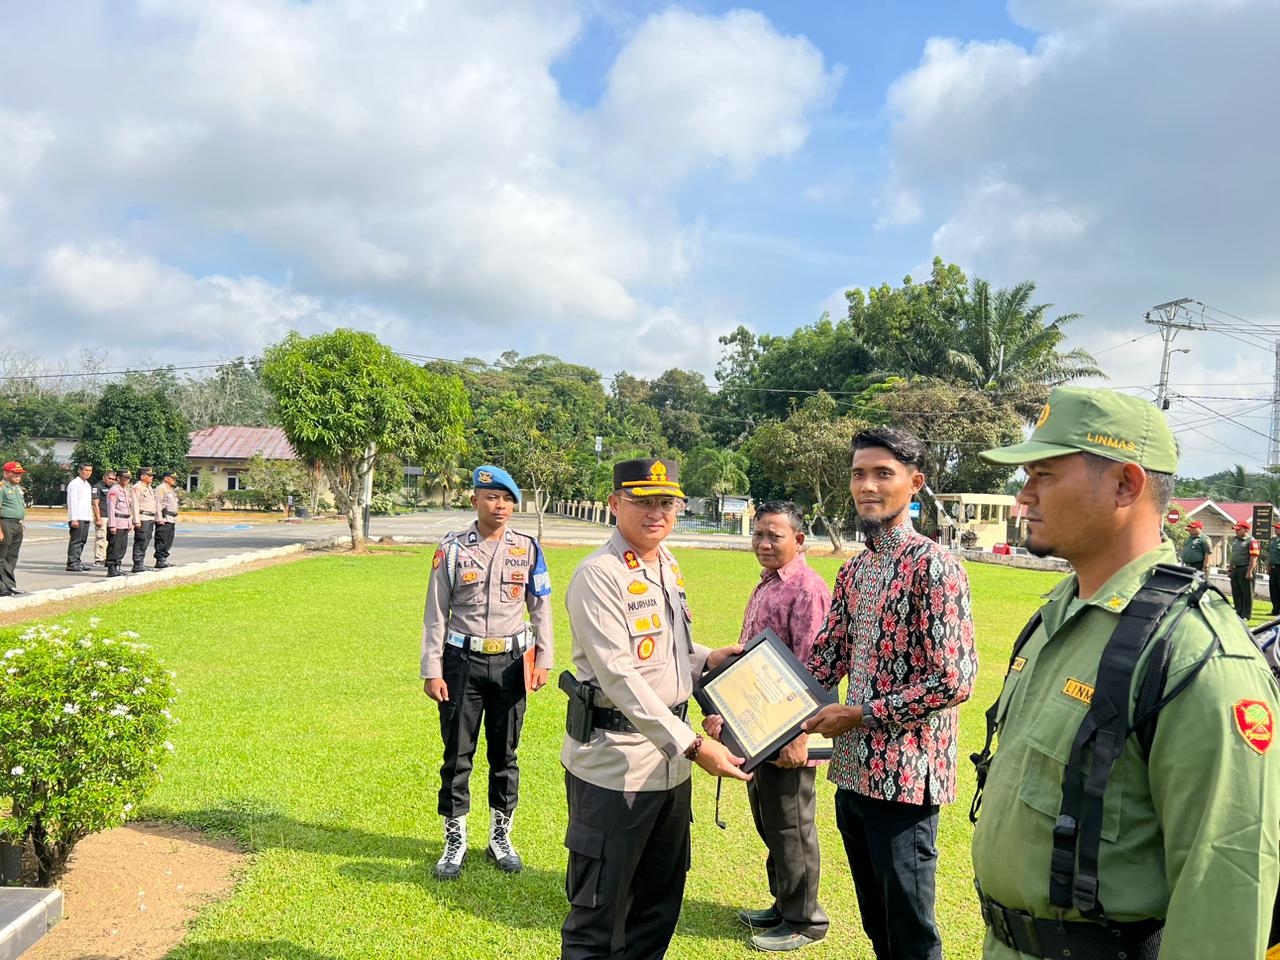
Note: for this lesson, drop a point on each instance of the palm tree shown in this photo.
(719, 471)
(1235, 486)
(1006, 344)
(446, 473)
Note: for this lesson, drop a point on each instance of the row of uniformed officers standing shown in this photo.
(1168, 849)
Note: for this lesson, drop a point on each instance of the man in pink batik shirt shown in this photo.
(792, 600)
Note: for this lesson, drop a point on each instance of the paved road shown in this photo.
(42, 564)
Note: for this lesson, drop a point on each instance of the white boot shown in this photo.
(449, 866)
(500, 849)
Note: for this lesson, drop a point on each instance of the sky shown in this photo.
(621, 183)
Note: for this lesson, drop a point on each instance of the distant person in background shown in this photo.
(144, 517)
(166, 517)
(79, 516)
(1273, 569)
(119, 522)
(100, 491)
(13, 510)
(1197, 551)
(1243, 551)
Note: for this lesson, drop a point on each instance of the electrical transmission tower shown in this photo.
(1170, 318)
(1273, 447)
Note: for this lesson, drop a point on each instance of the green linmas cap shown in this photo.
(1110, 424)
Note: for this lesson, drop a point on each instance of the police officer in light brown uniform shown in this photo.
(144, 517)
(474, 641)
(166, 517)
(628, 780)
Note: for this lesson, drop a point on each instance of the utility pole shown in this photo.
(1273, 448)
(1170, 318)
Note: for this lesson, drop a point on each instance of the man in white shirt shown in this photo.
(79, 516)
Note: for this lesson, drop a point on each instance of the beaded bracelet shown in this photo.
(692, 752)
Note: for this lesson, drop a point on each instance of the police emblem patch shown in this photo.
(515, 591)
(1255, 723)
(632, 561)
(517, 551)
(1044, 415)
(484, 476)
(658, 472)
(637, 587)
(435, 560)
(645, 650)
(469, 576)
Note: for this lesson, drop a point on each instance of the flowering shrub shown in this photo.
(382, 504)
(84, 721)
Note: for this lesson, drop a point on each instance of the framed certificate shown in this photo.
(764, 695)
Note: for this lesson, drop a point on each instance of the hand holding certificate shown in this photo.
(764, 696)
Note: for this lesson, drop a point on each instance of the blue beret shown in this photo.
(492, 478)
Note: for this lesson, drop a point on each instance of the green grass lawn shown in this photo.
(305, 734)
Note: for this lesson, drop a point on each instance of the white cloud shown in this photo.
(1125, 159)
(416, 157)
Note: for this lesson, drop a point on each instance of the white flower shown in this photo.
(15, 652)
(124, 670)
(17, 771)
(94, 694)
(101, 664)
(128, 807)
(70, 708)
(86, 642)
(119, 710)
(168, 746)
(11, 671)
(108, 641)
(146, 680)
(129, 633)
(94, 621)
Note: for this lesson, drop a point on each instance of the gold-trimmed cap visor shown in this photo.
(644, 488)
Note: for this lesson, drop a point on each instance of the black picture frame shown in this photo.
(731, 738)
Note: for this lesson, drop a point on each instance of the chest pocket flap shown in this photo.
(1049, 747)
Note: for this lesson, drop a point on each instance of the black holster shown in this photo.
(579, 719)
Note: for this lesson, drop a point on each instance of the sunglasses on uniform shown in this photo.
(664, 505)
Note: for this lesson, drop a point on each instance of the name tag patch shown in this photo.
(1078, 690)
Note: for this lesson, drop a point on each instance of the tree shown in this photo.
(133, 428)
(684, 404)
(715, 472)
(235, 395)
(956, 424)
(518, 435)
(344, 397)
(275, 481)
(1006, 344)
(810, 452)
(445, 472)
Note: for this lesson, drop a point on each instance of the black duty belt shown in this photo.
(1073, 939)
(606, 718)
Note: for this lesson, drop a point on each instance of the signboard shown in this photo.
(735, 505)
(1262, 520)
(599, 444)
(913, 511)
(1173, 517)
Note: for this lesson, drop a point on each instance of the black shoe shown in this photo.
(76, 568)
(113, 571)
(760, 919)
(17, 593)
(138, 568)
(780, 939)
(99, 563)
(162, 564)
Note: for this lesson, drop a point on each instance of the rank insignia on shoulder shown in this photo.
(1115, 602)
(472, 538)
(517, 551)
(633, 562)
(1018, 664)
(679, 581)
(437, 559)
(469, 576)
(645, 650)
(1255, 723)
(637, 587)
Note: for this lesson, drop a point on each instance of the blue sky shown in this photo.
(623, 183)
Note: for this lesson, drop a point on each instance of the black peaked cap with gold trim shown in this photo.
(648, 477)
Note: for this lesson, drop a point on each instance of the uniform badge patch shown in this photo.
(645, 650)
(1018, 664)
(469, 576)
(514, 591)
(657, 622)
(437, 559)
(1078, 690)
(517, 551)
(484, 476)
(642, 623)
(633, 562)
(1255, 723)
(637, 587)
(517, 576)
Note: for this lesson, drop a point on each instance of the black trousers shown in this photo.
(894, 858)
(1242, 591)
(10, 547)
(117, 544)
(488, 687)
(164, 540)
(628, 858)
(141, 540)
(77, 538)
(1273, 584)
(783, 803)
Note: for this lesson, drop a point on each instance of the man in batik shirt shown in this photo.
(900, 629)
